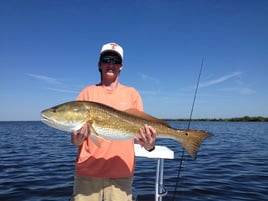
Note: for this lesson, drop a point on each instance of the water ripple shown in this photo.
(37, 163)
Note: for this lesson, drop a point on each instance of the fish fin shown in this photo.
(94, 136)
(145, 116)
(193, 140)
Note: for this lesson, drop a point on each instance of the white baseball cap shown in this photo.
(112, 47)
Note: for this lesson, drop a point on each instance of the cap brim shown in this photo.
(113, 51)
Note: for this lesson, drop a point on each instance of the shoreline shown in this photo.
(233, 119)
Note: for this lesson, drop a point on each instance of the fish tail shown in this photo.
(192, 141)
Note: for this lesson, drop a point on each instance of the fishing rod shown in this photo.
(188, 127)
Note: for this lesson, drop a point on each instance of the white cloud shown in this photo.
(238, 89)
(219, 80)
(241, 90)
(148, 78)
(57, 85)
(43, 78)
(64, 90)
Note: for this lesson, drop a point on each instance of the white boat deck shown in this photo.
(160, 153)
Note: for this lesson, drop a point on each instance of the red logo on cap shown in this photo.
(113, 45)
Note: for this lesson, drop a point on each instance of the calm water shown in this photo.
(37, 163)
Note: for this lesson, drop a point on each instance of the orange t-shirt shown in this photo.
(113, 159)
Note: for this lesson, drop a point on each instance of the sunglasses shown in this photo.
(108, 60)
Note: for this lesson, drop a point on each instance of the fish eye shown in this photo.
(54, 109)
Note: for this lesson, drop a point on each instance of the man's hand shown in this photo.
(147, 138)
(80, 135)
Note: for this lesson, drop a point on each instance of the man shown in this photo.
(106, 171)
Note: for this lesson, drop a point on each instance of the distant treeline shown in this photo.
(239, 119)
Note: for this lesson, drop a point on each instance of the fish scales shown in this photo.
(112, 124)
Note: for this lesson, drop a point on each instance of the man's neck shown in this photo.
(109, 85)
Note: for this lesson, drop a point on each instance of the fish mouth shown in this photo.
(44, 118)
(61, 125)
(53, 123)
(48, 121)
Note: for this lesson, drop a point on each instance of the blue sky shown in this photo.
(49, 51)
